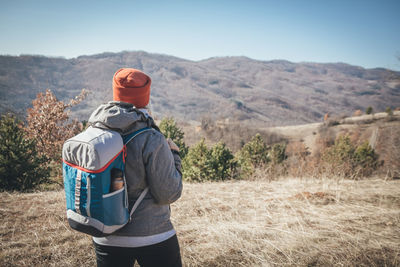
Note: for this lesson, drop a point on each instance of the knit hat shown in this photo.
(131, 86)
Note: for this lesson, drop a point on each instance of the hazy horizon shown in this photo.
(193, 60)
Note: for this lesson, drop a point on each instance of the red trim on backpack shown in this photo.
(124, 153)
(99, 170)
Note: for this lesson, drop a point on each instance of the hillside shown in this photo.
(267, 93)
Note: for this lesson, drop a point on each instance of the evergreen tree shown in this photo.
(203, 164)
(366, 158)
(277, 154)
(252, 155)
(21, 168)
(389, 111)
(221, 163)
(195, 164)
(346, 159)
(170, 130)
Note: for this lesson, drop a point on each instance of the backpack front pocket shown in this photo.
(115, 210)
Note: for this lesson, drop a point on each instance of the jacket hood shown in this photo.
(121, 117)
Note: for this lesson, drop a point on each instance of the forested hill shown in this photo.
(265, 92)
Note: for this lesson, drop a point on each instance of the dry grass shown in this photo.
(289, 222)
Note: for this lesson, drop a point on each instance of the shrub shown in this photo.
(345, 159)
(366, 158)
(369, 110)
(170, 130)
(277, 154)
(21, 168)
(194, 164)
(389, 111)
(203, 164)
(252, 155)
(48, 123)
(221, 163)
(338, 159)
(298, 160)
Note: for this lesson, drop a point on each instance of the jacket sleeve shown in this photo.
(163, 170)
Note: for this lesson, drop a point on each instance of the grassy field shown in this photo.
(289, 222)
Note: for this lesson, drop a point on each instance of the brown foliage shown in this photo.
(297, 158)
(326, 137)
(388, 146)
(49, 123)
(326, 116)
(357, 113)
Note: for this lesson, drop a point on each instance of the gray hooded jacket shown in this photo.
(149, 163)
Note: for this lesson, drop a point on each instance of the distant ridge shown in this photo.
(276, 92)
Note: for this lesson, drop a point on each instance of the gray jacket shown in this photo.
(149, 162)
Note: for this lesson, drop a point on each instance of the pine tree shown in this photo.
(204, 164)
(277, 154)
(21, 168)
(252, 155)
(195, 164)
(346, 159)
(389, 111)
(221, 163)
(366, 158)
(170, 130)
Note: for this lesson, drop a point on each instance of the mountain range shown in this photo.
(267, 93)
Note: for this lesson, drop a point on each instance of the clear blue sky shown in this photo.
(364, 33)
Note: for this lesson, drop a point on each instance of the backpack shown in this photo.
(89, 159)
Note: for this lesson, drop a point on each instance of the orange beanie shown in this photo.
(132, 86)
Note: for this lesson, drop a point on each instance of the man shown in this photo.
(152, 161)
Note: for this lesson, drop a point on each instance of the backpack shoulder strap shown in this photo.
(127, 138)
(142, 195)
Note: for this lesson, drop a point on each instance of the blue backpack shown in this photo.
(88, 161)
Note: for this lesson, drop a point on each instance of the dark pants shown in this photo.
(165, 253)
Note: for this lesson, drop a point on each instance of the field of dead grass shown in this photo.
(288, 222)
